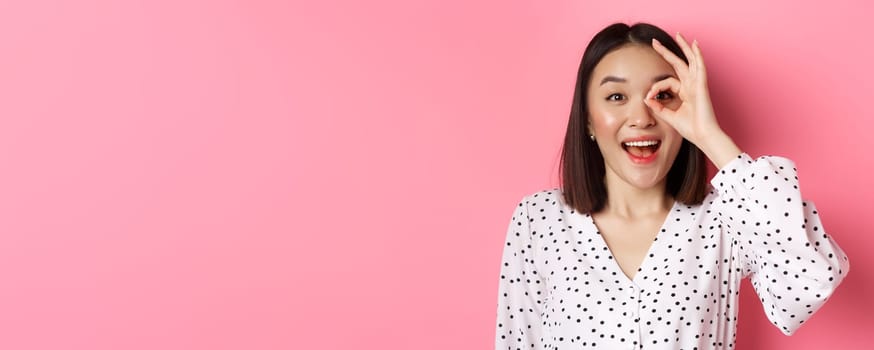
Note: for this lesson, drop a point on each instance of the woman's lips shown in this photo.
(642, 154)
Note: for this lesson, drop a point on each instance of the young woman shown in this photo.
(635, 251)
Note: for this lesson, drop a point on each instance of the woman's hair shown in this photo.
(582, 165)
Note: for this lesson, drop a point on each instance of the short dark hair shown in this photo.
(582, 165)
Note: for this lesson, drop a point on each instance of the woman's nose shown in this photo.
(641, 116)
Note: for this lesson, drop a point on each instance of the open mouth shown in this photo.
(642, 151)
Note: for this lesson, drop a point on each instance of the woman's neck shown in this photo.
(627, 201)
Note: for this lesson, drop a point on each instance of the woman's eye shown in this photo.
(664, 95)
(615, 97)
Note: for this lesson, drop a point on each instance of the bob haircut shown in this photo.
(582, 165)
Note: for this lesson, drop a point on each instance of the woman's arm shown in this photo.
(522, 289)
(793, 263)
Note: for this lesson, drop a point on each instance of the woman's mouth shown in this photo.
(642, 152)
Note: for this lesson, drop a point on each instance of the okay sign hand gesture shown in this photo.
(694, 119)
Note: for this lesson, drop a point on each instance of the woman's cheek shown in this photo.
(607, 119)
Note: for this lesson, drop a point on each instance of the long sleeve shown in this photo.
(522, 290)
(794, 265)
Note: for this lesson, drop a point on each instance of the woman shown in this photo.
(634, 251)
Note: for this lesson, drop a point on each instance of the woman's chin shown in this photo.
(639, 177)
(645, 180)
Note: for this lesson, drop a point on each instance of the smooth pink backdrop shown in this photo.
(340, 174)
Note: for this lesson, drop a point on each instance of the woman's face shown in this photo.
(637, 148)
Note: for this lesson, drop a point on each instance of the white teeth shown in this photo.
(641, 143)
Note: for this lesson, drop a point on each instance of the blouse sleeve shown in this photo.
(794, 265)
(521, 289)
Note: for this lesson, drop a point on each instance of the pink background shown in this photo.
(340, 174)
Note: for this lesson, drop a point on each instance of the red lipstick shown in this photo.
(642, 149)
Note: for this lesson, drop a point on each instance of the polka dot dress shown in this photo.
(560, 287)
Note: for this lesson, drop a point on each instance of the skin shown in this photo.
(617, 112)
(657, 95)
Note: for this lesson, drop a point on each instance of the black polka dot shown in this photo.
(560, 286)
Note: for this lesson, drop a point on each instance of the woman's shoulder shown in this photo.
(552, 196)
(549, 202)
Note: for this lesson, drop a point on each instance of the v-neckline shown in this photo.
(646, 256)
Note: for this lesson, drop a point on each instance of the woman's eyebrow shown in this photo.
(614, 79)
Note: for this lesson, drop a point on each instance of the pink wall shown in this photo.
(337, 175)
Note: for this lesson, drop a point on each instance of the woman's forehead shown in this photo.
(631, 64)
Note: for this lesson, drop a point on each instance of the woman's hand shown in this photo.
(694, 118)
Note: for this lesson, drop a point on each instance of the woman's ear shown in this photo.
(589, 131)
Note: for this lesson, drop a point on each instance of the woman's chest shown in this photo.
(687, 277)
(628, 241)
(686, 252)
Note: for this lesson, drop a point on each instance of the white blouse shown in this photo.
(560, 287)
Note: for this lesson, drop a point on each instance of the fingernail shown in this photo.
(656, 41)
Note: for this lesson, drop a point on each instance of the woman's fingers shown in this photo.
(671, 85)
(702, 72)
(692, 53)
(687, 50)
(682, 101)
(659, 109)
(668, 84)
(675, 61)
